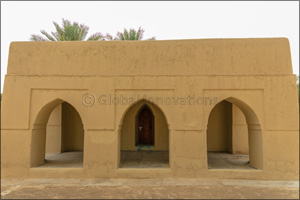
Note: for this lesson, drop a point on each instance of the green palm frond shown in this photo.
(140, 34)
(59, 31)
(37, 38)
(125, 35)
(55, 35)
(132, 34)
(83, 30)
(68, 32)
(110, 37)
(96, 36)
(48, 36)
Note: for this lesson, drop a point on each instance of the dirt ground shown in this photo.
(147, 189)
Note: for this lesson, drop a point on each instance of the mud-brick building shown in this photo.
(209, 108)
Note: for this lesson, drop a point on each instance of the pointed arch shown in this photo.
(249, 113)
(128, 127)
(254, 131)
(44, 112)
(145, 101)
(40, 128)
(145, 106)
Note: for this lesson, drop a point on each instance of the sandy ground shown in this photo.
(147, 159)
(147, 189)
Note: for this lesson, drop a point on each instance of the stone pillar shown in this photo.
(255, 146)
(38, 145)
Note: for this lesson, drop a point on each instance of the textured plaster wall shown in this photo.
(227, 129)
(64, 131)
(219, 134)
(53, 131)
(72, 129)
(239, 132)
(253, 74)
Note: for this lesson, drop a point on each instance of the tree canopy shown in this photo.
(78, 32)
(132, 34)
(68, 32)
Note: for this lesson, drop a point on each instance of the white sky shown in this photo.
(165, 20)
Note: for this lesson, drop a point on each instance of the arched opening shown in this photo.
(234, 137)
(144, 126)
(57, 137)
(144, 137)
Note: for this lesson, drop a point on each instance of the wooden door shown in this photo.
(145, 126)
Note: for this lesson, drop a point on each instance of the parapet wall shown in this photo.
(269, 56)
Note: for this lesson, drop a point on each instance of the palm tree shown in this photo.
(132, 34)
(68, 32)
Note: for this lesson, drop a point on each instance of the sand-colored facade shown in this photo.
(201, 92)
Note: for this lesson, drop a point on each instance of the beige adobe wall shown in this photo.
(38, 137)
(53, 131)
(151, 58)
(72, 129)
(64, 130)
(239, 132)
(254, 74)
(161, 135)
(218, 128)
(227, 129)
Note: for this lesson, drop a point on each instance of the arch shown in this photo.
(127, 128)
(44, 112)
(40, 127)
(143, 107)
(254, 131)
(137, 102)
(249, 113)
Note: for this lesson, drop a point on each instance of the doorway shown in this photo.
(144, 137)
(145, 127)
(233, 137)
(57, 137)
